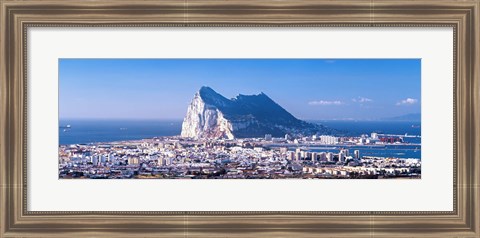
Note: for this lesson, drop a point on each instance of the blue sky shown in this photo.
(312, 89)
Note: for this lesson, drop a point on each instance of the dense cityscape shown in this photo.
(175, 157)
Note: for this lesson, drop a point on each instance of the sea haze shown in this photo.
(91, 131)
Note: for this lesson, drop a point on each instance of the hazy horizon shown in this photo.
(310, 89)
(180, 119)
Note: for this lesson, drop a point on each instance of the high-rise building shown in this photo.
(323, 156)
(298, 156)
(111, 158)
(341, 156)
(356, 154)
(103, 159)
(329, 156)
(268, 137)
(314, 156)
(94, 159)
(291, 155)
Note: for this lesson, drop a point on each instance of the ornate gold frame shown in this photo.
(17, 16)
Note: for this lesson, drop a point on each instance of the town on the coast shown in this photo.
(248, 137)
(256, 158)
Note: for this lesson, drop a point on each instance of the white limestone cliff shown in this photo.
(205, 121)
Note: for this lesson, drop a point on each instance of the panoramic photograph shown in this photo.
(239, 119)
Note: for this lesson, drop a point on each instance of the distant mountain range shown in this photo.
(211, 115)
(406, 117)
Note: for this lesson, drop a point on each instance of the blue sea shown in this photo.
(90, 131)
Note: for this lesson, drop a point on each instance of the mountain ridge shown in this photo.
(211, 115)
(405, 117)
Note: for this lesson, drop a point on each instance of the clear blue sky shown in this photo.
(315, 89)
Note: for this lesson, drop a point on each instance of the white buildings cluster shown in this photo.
(244, 158)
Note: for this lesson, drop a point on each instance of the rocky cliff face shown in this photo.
(205, 120)
(210, 115)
